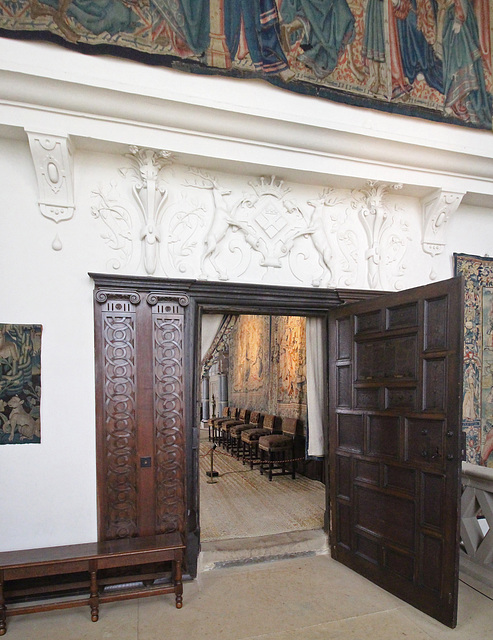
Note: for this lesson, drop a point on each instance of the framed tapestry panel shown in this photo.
(477, 407)
(20, 383)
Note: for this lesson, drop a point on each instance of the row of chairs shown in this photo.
(256, 438)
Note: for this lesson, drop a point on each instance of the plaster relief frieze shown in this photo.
(387, 235)
(222, 233)
(132, 210)
(150, 196)
(53, 163)
(116, 217)
(437, 209)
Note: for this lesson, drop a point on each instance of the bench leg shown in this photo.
(94, 599)
(3, 610)
(177, 582)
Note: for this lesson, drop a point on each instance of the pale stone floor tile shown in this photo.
(117, 621)
(252, 601)
(311, 598)
(474, 619)
(384, 625)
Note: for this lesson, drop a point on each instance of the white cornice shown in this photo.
(99, 117)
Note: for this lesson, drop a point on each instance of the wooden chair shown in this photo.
(274, 447)
(212, 421)
(233, 415)
(229, 413)
(224, 429)
(250, 437)
(235, 432)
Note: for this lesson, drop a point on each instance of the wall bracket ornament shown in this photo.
(53, 164)
(437, 208)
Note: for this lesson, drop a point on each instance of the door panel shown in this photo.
(140, 408)
(395, 389)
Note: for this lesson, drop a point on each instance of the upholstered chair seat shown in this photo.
(225, 427)
(273, 449)
(231, 414)
(235, 431)
(275, 441)
(250, 437)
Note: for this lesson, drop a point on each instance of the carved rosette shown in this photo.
(168, 327)
(120, 423)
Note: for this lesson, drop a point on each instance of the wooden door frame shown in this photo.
(221, 297)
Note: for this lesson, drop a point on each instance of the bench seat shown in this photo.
(90, 558)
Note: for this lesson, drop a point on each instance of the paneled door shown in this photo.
(140, 407)
(395, 446)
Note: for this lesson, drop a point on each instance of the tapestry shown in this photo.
(289, 365)
(427, 58)
(20, 383)
(477, 407)
(267, 365)
(249, 362)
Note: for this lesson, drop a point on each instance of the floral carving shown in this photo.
(386, 239)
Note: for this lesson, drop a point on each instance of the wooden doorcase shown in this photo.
(395, 447)
(147, 393)
(140, 405)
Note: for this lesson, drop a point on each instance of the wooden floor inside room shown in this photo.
(241, 503)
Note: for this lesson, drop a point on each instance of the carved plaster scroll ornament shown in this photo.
(53, 164)
(374, 214)
(116, 217)
(150, 195)
(437, 209)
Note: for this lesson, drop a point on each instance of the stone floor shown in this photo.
(303, 598)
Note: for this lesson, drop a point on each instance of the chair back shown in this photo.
(226, 412)
(271, 422)
(255, 417)
(290, 426)
(244, 415)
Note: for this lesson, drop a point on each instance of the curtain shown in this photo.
(316, 385)
(210, 326)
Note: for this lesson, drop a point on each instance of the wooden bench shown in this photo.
(91, 558)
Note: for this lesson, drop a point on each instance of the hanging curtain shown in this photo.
(210, 326)
(316, 385)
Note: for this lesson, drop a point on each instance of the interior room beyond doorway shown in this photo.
(258, 363)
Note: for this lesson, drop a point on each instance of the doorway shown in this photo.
(395, 370)
(262, 364)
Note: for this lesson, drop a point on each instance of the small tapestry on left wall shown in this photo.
(20, 383)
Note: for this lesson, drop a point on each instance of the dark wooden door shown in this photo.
(140, 411)
(395, 391)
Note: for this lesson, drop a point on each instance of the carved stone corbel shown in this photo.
(437, 208)
(53, 163)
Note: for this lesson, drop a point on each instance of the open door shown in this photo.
(395, 446)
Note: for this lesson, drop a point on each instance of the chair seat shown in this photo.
(252, 435)
(238, 429)
(275, 441)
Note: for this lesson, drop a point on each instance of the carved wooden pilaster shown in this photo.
(117, 434)
(169, 422)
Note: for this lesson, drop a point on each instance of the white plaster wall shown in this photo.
(49, 490)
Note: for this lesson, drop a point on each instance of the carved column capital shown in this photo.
(53, 164)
